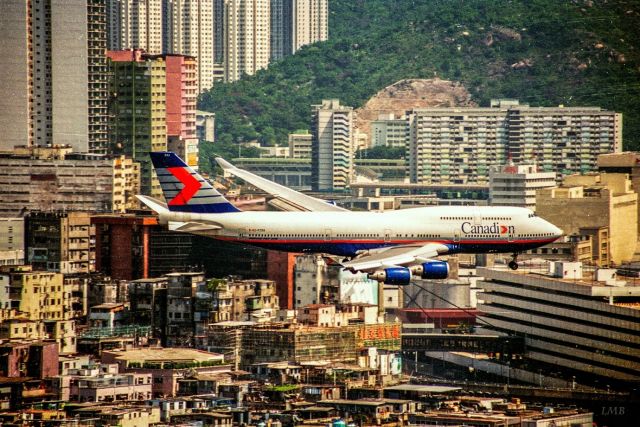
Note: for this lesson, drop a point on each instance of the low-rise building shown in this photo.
(166, 365)
(103, 383)
(516, 185)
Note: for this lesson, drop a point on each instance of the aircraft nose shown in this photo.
(557, 232)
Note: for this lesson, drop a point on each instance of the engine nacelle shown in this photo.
(431, 270)
(392, 276)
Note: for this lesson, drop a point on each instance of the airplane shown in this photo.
(392, 247)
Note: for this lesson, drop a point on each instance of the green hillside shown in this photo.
(543, 52)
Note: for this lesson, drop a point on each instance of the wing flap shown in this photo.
(295, 200)
(395, 256)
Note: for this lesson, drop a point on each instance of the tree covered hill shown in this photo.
(542, 52)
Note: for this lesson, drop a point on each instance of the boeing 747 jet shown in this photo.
(392, 247)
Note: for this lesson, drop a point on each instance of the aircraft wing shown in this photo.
(288, 199)
(395, 256)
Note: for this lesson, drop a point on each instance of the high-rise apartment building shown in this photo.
(458, 145)
(296, 23)
(246, 37)
(135, 24)
(516, 185)
(331, 146)
(188, 28)
(182, 93)
(53, 82)
(138, 110)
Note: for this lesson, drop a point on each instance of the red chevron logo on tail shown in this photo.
(191, 186)
(503, 229)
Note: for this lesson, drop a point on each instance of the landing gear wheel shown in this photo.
(513, 265)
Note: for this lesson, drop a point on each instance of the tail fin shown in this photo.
(184, 189)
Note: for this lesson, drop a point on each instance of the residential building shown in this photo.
(245, 300)
(297, 23)
(108, 315)
(332, 146)
(43, 307)
(76, 181)
(60, 241)
(137, 108)
(389, 131)
(585, 204)
(182, 92)
(281, 269)
(516, 185)
(36, 359)
(246, 37)
(134, 24)
(578, 325)
(206, 126)
(188, 29)
(187, 313)
(53, 82)
(300, 145)
(459, 145)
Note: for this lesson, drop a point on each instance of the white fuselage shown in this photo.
(462, 229)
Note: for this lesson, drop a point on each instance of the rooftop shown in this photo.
(424, 388)
(157, 354)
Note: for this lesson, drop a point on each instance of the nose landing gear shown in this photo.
(513, 264)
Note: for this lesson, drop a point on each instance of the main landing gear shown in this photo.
(513, 264)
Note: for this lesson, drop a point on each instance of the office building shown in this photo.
(34, 180)
(332, 146)
(246, 37)
(188, 28)
(601, 205)
(134, 24)
(578, 326)
(137, 109)
(516, 185)
(389, 131)
(53, 79)
(459, 145)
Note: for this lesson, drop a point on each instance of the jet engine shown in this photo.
(431, 270)
(402, 275)
(392, 276)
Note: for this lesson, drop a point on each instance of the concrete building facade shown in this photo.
(389, 131)
(81, 182)
(53, 84)
(246, 37)
(300, 145)
(458, 145)
(516, 185)
(579, 326)
(593, 202)
(206, 126)
(332, 146)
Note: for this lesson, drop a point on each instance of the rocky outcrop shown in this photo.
(406, 95)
